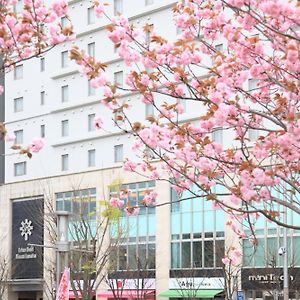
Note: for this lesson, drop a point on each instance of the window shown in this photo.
(78, 202)
(217, 135)
(43, 97)
(137, 249)
(42, 64)
(65, 162)
(43, 131)
(197, 232)
(20, 168)
(252, 84)
(149, 2)
(219, 47)
(92, 158)
(148, 35)
(18, 7)
(118, 78)
(19, 137)
(91, 15)
(65, 128)
(118, 7)
(64, 22)
(18, 72)
(65, 93)
(91, 126)
(64, 59)
(253, 134)
(18, 104)
(181, 105)
(149, 110)
(118, 151)
(91, 90)
(91, 49)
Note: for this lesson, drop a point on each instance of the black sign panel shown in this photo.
(269, 278)
(27, 228)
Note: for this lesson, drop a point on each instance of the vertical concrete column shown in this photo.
(2, 119)
(163, 238)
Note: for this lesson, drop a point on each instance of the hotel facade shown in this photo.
(183, 243)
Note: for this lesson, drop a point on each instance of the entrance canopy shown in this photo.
(190, 293)
(127, 294)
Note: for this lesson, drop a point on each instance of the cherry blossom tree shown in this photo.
(29, 29)
(248, 91)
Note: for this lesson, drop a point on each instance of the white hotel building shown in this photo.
(48, 97)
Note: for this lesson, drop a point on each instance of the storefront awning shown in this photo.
(190, 293)
(126, 293)
(73, 296)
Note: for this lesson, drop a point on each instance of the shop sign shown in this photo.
(268, 278)
(196, 283)
(132, 284)
(27, 228)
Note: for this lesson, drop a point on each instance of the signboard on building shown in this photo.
(27, 228)
(268, 278)
(197, 283)
(132, 284)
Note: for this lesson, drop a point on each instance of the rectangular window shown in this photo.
(253, 134)
(18, 72)
(65, 93)
(219, 47)
(20, 168)
(91, 90)
(118, 7)
(149, 110)
(42, 98)
(148, 34)
(91, 49)
(65, 128)
(64, 59)
(18, 7)
(91, 15)
(91, 126)
(252, 84)
(65, 162)
(64, 22)
(92, 158)
(118, 150)
(19, 137)
(217, 135)
(118, 78)
(18, 104)
(182, 105)
(43, 131)
(42, 64)
(149, 2)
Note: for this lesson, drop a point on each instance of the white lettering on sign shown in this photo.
(26, 253)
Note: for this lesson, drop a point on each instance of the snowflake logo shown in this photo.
(26, 228)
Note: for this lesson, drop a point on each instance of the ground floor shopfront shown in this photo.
(267, 283)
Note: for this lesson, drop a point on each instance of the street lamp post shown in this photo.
(62, 243)
(285, 260)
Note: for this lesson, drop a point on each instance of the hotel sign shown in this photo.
(27, 228)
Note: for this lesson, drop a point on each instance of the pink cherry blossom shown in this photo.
(37, 145)
(98, 122)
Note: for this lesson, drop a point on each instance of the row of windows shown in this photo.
(118, 9)
(19, 102)
(20, 167)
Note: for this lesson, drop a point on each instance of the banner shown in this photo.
(64, 286)
(27, 228)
